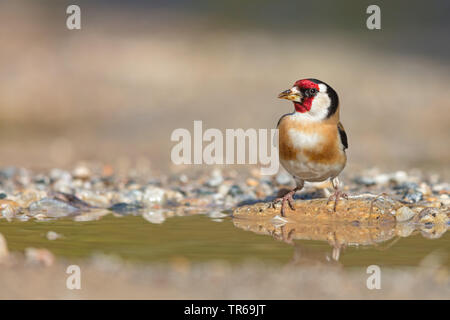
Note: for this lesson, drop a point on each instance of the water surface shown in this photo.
(201, 239)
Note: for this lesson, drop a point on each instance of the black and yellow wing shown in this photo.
(343, 135)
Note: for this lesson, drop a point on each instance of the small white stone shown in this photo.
(216, 178)
(52, 235)
(424, 189)
(156, 216)
(81, 172)
(154, 195)
(381, 179)
(217, 215)
(400, 176)
(277, 220)
(223, 189)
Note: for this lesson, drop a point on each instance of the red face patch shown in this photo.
(306, 103)
(306, 84)
(305, 106)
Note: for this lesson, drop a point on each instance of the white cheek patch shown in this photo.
(321, 101)
(322, 88)
(301, 140)
(320, 105)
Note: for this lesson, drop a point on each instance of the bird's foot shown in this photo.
(338, 194)
(288, 197)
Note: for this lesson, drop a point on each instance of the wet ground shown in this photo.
(202, 239)
(164, 234)
(197, 257)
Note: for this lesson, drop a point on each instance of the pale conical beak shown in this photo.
(289, 95)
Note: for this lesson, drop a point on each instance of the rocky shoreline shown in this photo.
(88, 193)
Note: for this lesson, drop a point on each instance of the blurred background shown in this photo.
(116, 89)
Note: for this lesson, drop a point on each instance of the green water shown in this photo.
(198, 238)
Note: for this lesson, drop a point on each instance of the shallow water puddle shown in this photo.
(199, 238)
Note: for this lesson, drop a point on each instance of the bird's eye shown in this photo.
(312, 92)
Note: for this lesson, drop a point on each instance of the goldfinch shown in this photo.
(312, 141)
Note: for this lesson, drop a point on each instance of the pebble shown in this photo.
(62, 187)
(154, 195)
(92, 215)
(382, 179)
(217, 215)
(52, 235)
(58, 174)
(25, 198)
(441, 187)
(72, 200)
(52, 208)
(235, 190)
(433, 216)
(223, 189)
(424, 189)
(373, 177)
(411, 192)
(404, 214)
(367, 181)
(149, 196)
(252, 182)
(125, 208)
(81, 172)
(174, 195)
(36, 256)
(445, 199)
(399, 177)
(62, 180)
(406, 186)
(216, 178)
(94, 198)
(8, 172)
(154, 216)
(23, 176)
(41, 179)
(41, 217)
(128, 196)
(9, 209)
(196, 202)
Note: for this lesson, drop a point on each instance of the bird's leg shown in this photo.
(337, 193)
(288, 197)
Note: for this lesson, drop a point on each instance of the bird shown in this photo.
(312, 141)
